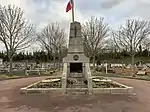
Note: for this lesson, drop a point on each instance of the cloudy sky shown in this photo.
(42, 12)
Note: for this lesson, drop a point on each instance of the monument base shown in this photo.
(99, 86)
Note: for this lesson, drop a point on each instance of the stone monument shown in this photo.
(76, 76)
(76, 69)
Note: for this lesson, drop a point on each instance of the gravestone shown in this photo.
(76, 64)
(141, 72)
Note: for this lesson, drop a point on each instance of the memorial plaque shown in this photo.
(76, 57)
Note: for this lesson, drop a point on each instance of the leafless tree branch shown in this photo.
(94, 33)
(130, 36)
(15, 32)
(52, 38)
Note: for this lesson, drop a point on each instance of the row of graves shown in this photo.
(30, 68)
(126, 69)
(42, 68)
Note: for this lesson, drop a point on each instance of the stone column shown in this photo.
(64, 77)
(90, 85)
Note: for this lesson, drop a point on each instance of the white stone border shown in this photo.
(128, 90)
(125, 90)
(27, 89)
(42, 90)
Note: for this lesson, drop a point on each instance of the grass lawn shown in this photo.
(7, 77)
(146, 77)
(2, 76)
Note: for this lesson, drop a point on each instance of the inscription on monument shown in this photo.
(75, 31)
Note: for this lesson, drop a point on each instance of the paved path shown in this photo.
(12, 101)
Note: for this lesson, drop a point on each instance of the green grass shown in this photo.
(9, 76)
(4, 77)
(146, 77)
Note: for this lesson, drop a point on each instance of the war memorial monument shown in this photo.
(76, 76)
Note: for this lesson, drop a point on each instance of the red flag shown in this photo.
(69, 6)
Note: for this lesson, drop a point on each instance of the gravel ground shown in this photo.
(12, 101)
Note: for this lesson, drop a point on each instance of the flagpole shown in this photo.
(72, 10)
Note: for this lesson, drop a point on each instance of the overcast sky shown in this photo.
(42, 12)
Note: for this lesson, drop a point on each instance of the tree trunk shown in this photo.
(54, 62)
(133, 74)
(59, 64)
(94, 63)
(48, 56)
(26, 67)
(10, 65)
(41, 64)
(148, 52)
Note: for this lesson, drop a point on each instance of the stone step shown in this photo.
(77, 93)
(77, 79)
(77, 90)
(77, 86)
(77, 83)
(75, 75)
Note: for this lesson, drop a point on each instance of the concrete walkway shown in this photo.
(12, 101)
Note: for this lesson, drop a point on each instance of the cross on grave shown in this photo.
(75, 31)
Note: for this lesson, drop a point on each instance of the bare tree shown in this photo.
(15, 32)
(94, 33)
(130, 36)
(62, 52)
(111, 47)
(146, 45)
(52, 38)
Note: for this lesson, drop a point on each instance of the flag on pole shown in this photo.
(69, 5)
